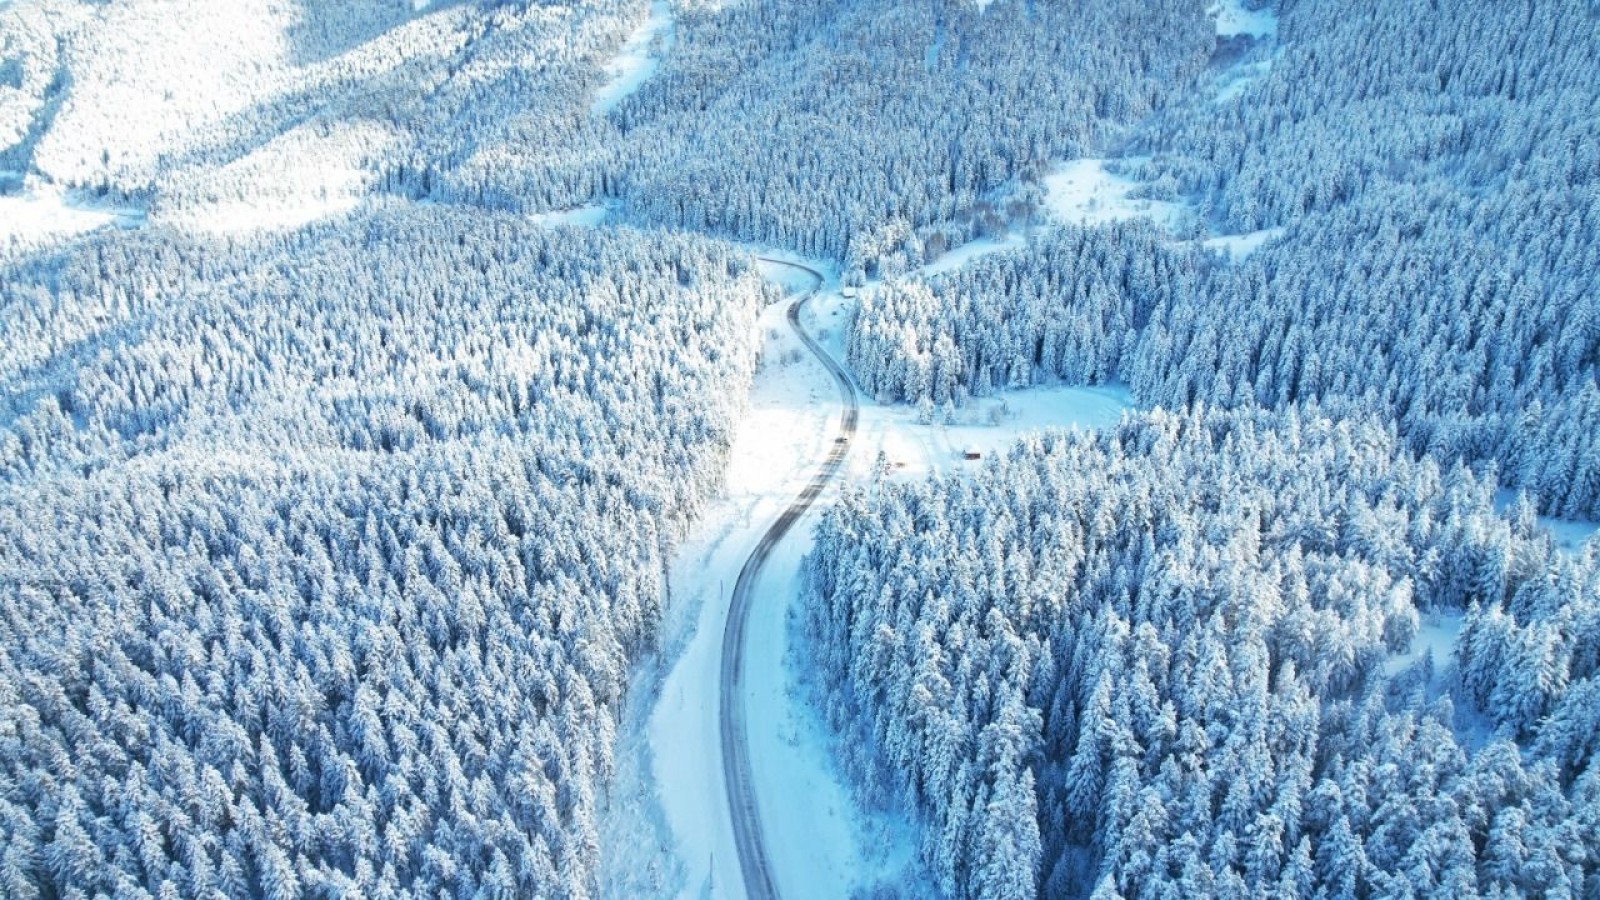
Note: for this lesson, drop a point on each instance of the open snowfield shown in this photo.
(1233, 18)
(1239, 246)
(638, 59)
(1436, 637)
(1568, 534)
(1233, 81)
(586, 216)
(38, 216)
(988, 425)
(306, 174)
(1082, 191)
(959, 256)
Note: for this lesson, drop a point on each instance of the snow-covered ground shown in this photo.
(960, 255)
(1436, 636)
(1077, 192)
(1082, 191)
(988, 425)
(1238, 246)
(1260, 26)
(1233, 19)
(1568, 534)
(638, 59)
(1233, 80)
(39, 215)
(588, 216)
(821, 842)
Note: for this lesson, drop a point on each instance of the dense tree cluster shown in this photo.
(1071, 306)
(323, 558)
(1162, 661)
(1471, 352)
(1437, 163)
(1439, 265)
(821, 126)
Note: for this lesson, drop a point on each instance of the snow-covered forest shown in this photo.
(1438, 263)
(812, 125)
(325, 559)
(1165, 661)
(376, 447)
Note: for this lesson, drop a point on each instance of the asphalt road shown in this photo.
(753, 862)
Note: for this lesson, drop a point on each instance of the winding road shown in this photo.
(753, 861)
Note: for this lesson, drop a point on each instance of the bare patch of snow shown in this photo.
(1435, 637)
(1234, 18)
(37, 216)
(959, 256)
(241, 216)
(789, 278)
(1082, 191)
(582, 216)
(1568, 534)
(638, 59)
(989, 425)
(1239, 246)
(1235, 79)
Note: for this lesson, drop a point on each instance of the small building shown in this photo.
(972, 453)
(849, 292)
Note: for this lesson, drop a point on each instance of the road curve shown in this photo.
(753, 863)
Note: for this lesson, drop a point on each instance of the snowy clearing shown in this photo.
(1239, 246)
(959, 256)
(1235, 79)
(39, 215)
(638, 59)
(989, 425)
(1436, 637)
(1568, 534)
(247, 216)
(312, 172)
(1234, 19)
(581, 216)
(1082, 191)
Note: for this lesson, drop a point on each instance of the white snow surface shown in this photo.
(1238, 246)
(822, 843)
(1568, 534)
(638, 59)
(1082, 191)
(1436, 636)
(962, 254)
(1233, 81)
(40, 215)
(586, 216)
(1234, 19)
